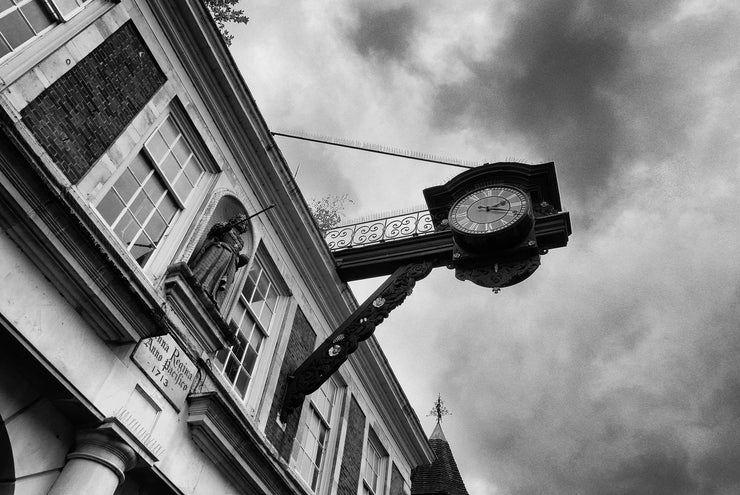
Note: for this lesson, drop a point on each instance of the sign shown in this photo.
(167, 366)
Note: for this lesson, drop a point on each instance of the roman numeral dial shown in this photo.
(489, 210)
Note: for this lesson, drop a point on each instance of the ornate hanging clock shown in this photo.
(490, 224)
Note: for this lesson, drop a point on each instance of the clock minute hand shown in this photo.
(492, 208)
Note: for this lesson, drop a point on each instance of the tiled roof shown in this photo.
(442, 476)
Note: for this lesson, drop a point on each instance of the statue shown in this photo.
(220, 257)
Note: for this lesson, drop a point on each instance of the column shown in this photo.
(96, 466)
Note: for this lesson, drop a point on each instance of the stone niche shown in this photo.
(203, 320)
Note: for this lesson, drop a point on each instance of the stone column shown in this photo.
(95, 466)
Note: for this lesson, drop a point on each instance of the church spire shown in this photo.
(441, 477)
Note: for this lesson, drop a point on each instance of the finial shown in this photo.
(439, 409)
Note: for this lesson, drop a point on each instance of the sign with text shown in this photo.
(167, 366)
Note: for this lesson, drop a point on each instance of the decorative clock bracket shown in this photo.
(490, 224)
(360, 325)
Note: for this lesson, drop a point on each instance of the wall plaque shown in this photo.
(167, 366)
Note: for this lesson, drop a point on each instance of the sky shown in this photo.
(614, 369)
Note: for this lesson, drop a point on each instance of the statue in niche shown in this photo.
(220, 257)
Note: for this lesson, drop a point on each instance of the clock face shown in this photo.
(488, 210)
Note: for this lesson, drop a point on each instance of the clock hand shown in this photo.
(494, 207)
(491, 208)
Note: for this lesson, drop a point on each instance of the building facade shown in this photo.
(162, 275)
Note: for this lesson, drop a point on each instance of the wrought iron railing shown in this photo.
(393, 228)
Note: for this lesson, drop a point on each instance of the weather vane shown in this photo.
(439, 409)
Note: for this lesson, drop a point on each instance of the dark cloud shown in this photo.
(385, 33)
(556, 78)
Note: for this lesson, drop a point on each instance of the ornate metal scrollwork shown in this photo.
(376, 231)
(335, 350)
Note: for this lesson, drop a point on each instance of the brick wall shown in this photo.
(79, 116)
(300, 346)
(349, 475)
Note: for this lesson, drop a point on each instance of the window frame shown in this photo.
(333, 426)
(373, 442)
(178, 225)
(251, 400)
(53, 11)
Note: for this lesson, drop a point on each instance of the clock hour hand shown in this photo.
(492, 208)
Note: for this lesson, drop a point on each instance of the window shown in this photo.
(310, 454)
(23, 20)
(373, 475)
(253, 312)
(145, 199)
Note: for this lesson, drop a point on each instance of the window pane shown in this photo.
(141, 207)
(249, 359)
(168, 130)
(142, 249)
(154, 187)
(266, 317)
(262, 287)
(126, 228)
(157, 147)
(170, 168)
(256, 340)
(110, 207)
(126, 186)
(221, 356)
(168, 208)
(232, 367)
(181, 151)
(183, 187)
(155, 228)
(242, 382)
(15, 29)
(37, 16)
(271, 298)
(4, 48)
(240, 346)
(140, 168)
(5, 5)
(193, 170)
(66, 6)
(249, 286)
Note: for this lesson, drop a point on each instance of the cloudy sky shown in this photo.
(614, 369)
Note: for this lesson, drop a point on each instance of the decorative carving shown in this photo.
(544, 209)
(495, 275)
(335, 350)
(220, 257)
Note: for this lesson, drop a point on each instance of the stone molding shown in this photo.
(237, 448)
(205, 326)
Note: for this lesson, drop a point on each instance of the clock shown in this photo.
(489, 209)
